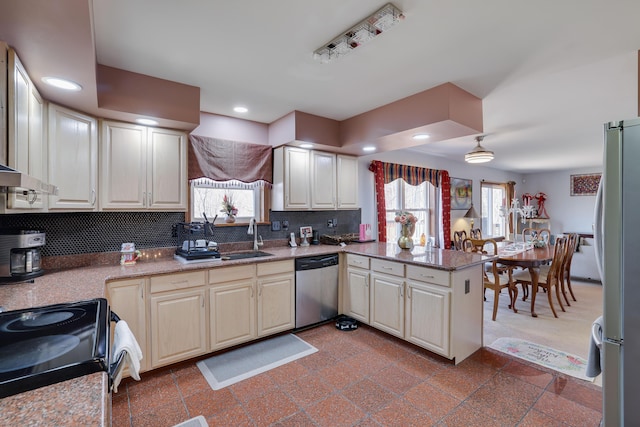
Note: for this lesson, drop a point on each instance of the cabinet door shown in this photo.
(296, 178)
(428, 309)
(73, 159)
(276, 300)
(233, 318)
(123, 171)
(126, 299)
(387, 304)
(178, 326)
(323, 180)
(347, 182)
(357, 305)
(166, 170)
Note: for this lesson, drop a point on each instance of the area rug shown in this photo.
(236, 365)
(544, 356)
(198, 421)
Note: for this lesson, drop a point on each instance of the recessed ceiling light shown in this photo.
(62, 83)
(306, 145)
(240, 109)
(147, 122)
(369, 148)
(420, 136)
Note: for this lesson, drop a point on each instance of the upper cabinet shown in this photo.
(73, 159)
(26, 142)
(142, 168)
(309, 179)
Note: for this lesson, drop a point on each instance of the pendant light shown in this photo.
(479, 154)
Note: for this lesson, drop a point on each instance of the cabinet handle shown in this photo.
(400, 288)
(387, 268)
(149, 198)
(259, 290)
(409, 292)
(202, 301)
(94, 197)
(366, 281)
(427, 276)
(252, 292)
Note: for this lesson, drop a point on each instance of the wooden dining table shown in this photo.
(530, 259)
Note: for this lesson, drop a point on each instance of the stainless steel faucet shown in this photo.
(253, 229)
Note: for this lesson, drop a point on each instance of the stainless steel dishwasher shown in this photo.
(316, 289)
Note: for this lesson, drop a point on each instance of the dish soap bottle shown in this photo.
(423, 239)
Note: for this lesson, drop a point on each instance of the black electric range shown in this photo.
(45, 345)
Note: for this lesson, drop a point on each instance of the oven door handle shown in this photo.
(118, 365)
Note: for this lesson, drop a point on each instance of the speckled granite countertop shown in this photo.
(85, 400)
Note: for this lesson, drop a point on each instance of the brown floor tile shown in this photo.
(120, 414)
(340, 375)
(536, 418)
(467, 416)
(456, 383)
(271, 407)
(299, 419)
(190, 380)
(307, 390)
(401, 413)
(318, 361)
(335, 411)
(431, 400)
(528, 373)
(159, 393)
(569, 412)
(419, 366)
(252, 387)
(235, 416)
(160, 416)
(210, 402)
(491, 357)
(367, 363)
(368, 395)
(395, 379)
(288, 373)
(584, 394)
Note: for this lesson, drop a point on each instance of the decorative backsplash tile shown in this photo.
(91, 232)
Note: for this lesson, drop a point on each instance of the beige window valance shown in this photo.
(224, 160)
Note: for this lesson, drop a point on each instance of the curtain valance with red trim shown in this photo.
(385, 173)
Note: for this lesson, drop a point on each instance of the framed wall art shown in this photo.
(461, 190)
(585, 185)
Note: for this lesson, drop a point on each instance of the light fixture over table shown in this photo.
(373, 25)
(479, 154)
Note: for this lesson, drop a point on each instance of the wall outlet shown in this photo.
(285, 225)
(330, 223)
(275, 225)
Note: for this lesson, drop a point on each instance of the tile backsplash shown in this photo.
(91, 232)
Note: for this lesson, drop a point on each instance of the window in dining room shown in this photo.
(494, 197)
(417, 199)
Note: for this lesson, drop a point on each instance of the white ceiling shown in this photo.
(550, 72)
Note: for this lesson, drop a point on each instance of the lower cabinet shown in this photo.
(276, 297)
(178, 317)
(232, 306)
(438, 310)
(127, 300)
(427, 320)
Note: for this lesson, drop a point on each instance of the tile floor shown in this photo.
(366, 378)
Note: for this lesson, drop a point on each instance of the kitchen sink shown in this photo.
(244, 255)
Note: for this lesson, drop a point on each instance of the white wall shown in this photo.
(567, 213)
(456, 169)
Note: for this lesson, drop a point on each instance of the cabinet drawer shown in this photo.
(171, 282)
(428, 275)
(275, 267)
(358, 261)
(229, 274)
(387, 267)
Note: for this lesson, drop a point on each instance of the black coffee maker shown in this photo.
(20, 258)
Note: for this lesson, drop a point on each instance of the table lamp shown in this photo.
(471, 214)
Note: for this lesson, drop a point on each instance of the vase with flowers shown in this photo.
(229, 208)
(407, 221)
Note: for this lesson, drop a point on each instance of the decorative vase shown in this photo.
(406, 241)
(230, 219)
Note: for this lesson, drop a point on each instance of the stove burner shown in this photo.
(35, 351)
(31, 320)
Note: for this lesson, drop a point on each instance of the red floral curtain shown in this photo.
(385, 173)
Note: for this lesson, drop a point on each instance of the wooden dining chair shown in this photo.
(549, 278)
(458, 238)
(544, 234)
(495, 276)
(565, 277)
(475, 233)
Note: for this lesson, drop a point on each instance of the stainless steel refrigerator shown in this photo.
(617, 241)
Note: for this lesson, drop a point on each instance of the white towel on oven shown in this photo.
(125, 341)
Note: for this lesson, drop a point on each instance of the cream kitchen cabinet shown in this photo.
(178, 316)
(428, 314)
(142, 168)
(309, 179)
(26, 143)
(232, 306)
(276, 297)
(73, 159)
(127, 299)
(357, 288)
(387, 296)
